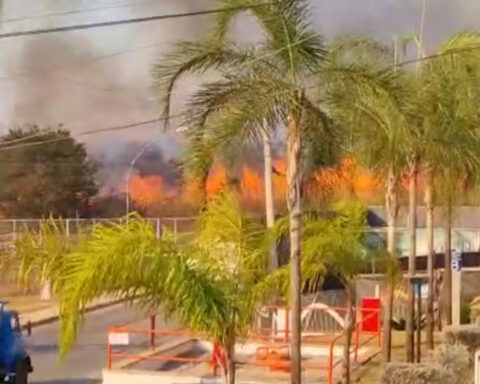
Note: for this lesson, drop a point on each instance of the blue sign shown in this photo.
(457, 261)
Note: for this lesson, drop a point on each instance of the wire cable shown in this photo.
(89, 132)
(79, 27)
(254, 60)
(77, 11)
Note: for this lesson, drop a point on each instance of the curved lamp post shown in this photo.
(132, 164)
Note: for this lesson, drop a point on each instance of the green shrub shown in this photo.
(406, 373)
(456, 359)
(467, 335)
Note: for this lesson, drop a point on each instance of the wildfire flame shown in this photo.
(252, 186)
(345, 179)
(146, 191)
(217, 180)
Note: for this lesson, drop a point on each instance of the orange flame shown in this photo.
(279, 179)
(146, 191)
(346, 178)
(217, 180)
(252, 187)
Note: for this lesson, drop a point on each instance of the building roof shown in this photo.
(463, 217)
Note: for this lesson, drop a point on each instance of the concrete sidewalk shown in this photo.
(36, 311)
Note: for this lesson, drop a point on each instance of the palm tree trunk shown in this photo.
(230, 363)
(269, 201)
(294, 203)
(430, 255)
(391, 204)
(411, 259)
(447, 283)
(349, 326)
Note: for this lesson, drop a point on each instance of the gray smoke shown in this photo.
(60, 78)
(63, 78)
(113, 168)
(383, 19)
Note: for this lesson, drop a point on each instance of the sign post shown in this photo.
(477, 367)
(456, 286)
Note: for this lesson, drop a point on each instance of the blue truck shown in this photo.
(15, 363)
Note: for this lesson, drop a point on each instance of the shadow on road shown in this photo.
(49, 348)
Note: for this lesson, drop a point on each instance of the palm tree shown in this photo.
(377, 134)
(338, 246)
(212, 284)
(260, 84)
(265, 85)
(448, 132)
(409, 133)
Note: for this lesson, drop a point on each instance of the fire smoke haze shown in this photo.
(61, 78)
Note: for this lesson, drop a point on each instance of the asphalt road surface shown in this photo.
(87, 359)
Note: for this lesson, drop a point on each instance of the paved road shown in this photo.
(85, 362)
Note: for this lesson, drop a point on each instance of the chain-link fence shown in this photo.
(465, 239)
(10, 229)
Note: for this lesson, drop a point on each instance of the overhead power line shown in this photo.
(78, 27)
(76, 11)
(87, 133)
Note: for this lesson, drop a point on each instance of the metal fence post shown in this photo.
(330, 363)
(159, 232)
(14, 229)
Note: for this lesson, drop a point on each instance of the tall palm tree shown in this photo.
(377, 135)
(449, 131)
(268, 86)
(455, 80)
(264, 85)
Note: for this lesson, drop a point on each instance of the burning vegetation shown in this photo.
(153, 194)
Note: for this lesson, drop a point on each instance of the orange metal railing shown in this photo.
(269, 337)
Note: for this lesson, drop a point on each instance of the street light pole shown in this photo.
(129, 173)
(132, 164)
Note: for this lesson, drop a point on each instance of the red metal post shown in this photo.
(109, 356)
(330, 364)
(379, 328)
(152, 332)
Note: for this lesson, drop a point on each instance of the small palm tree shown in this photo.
(40, 255)
(337, 245)
(212, 284)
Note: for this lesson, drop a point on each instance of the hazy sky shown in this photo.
(69, 77)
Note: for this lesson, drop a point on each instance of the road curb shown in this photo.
(53, 318)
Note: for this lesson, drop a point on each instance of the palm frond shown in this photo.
(287, 30)
(194, 58)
